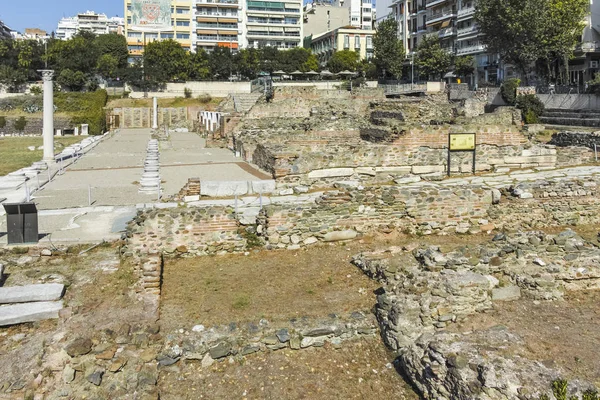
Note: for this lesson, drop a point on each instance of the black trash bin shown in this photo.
(21, 223)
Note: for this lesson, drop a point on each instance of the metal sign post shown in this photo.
(461, 142)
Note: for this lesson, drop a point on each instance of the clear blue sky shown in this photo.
(45, 14)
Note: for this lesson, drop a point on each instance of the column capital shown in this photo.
(47, 74)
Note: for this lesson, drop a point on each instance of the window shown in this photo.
(134, 35)
(183, 36)
(346, 41)
(183, 23)
(369, 42)
(151, 36)
(183, 10)
(357, 42)
(166, 35)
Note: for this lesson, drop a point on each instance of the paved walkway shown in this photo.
(112, 170)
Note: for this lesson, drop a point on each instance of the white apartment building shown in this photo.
(90, 21)
(5, 31)
(362, 14)
(272, 23)
(325, 15)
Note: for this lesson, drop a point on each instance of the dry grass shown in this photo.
(14, 152)
(275, 285)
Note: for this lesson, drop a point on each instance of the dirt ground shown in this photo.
(275, 285)
(360, 370)
(560, 334)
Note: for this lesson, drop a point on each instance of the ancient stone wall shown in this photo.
(580, 139)
(35, 125)
(141, 117)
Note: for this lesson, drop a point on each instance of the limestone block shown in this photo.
(366, 171)
(29, 312)
(23, 294)
(331, 173)
(427, 169)
(339, 235)
(223, 188)
(264, 186)
(507, 293)
(191, 198)
(394, 170)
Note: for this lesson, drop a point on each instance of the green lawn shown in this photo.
(14, 152)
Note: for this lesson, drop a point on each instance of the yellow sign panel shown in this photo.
(462, 141)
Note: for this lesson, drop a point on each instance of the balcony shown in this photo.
(422, 29)
(446, 32)
(473, 29)
(440, 16)
(216, 14)
(229, 2)
(478, 48)
(588, 47)
(465, 13)
(431, 3)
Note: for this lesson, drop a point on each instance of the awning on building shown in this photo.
(446, 24)
(229, 20)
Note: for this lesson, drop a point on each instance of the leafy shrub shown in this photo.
(560, 392)
(84, 108)
(531, 108)
(2, 122)
(35, 90)
(508, 91)
(187, 92)
(20, 124)
(204, 98)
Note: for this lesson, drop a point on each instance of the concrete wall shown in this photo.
(570, 101)
(215, 89)
(320, 85)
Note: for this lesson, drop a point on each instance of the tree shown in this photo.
(464, 66)
(12, 77)
(114, 45)
(108, 66)
(71, 80)
(297, 58)
(343, 60)
(388, 49)
(269, 60)
(199, 66)
(166, 61)
(524, 31)
(221, 63)
(431, 58)
(248, 63)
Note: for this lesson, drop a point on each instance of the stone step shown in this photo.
(24, 294)
(566, 114)
(578, 121)
(29, 312)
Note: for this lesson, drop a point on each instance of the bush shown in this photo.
(84, 108)
(20, 124)
(187, 92)
(2, 122)
(531, 108)
(508, 91)
(35, 90)
(204, 98)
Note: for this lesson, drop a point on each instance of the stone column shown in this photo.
(48, 131)
(154, 113)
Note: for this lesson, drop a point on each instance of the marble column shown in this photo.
(154, 113)
(48, 131)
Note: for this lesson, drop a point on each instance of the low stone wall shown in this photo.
(570, 101)
(35, 125)
(208, 344)
(581, 139)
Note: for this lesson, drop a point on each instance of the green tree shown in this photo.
(166, 61)
(343, 60)
(199, 66)
(269, 60)
(464, 66)
(524, 31)
(20, 124)
(388, 49)
(114, 45)
(108, 66)
(431, 58)
(297, 58)
(248, 63)
(221, 63)
(12, 77)
(72, 80)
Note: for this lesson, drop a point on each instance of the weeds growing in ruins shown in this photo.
(560, 392)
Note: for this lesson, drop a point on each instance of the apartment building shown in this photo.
(362, 14)
(323, 16)
(90, 21)
(218, 23)
(585, 64)
(159, 20)
(351, 38)
(273, 23)
(5, 32)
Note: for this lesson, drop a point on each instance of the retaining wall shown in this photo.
(570, 101)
